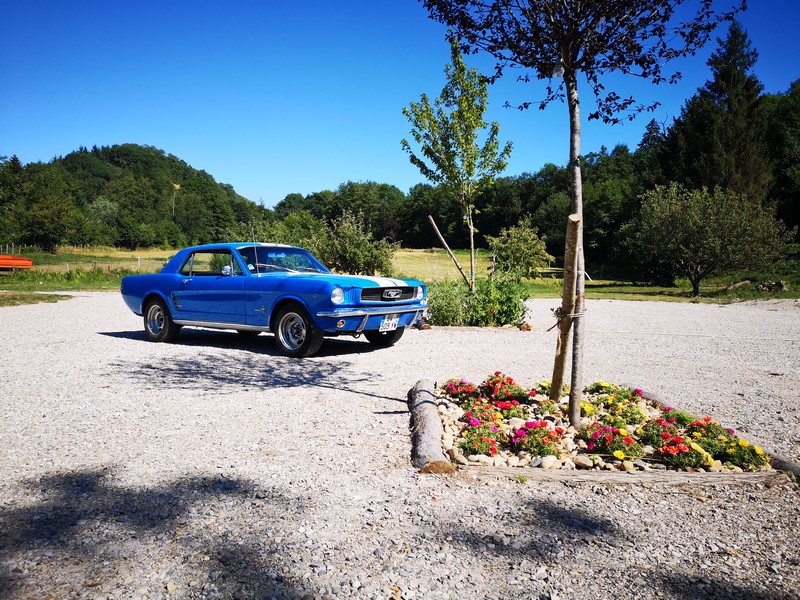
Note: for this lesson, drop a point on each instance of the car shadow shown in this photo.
(241, 365)
(263, 343)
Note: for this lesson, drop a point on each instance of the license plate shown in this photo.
(389, 323)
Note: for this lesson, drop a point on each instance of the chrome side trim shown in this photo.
(215, 325)
(370, 311)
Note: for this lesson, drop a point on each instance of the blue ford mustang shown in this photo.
(253, 287)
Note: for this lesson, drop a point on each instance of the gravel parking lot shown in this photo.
(217, 468)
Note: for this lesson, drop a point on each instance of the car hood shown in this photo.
(358, 281)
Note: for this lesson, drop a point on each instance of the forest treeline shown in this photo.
(729, 135)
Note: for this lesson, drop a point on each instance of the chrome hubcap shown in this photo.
(155, 319)
(292, 331)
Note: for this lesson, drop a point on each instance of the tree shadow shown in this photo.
(544, 529)
(239, 370)
(78, 505)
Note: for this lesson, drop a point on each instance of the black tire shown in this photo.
(384, 338)
(158, 323)
(295, 332)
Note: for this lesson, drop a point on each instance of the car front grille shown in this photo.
(390, 294)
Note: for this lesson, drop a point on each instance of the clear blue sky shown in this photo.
(282, 97)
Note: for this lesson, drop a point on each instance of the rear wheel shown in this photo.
(295, 332)
(158, 323)
(384, 338)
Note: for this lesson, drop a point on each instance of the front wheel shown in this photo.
(384, 338)
(158, 323)
(295, 332)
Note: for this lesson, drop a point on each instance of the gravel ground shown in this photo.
(216, 468)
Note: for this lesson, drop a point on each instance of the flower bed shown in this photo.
(500, 423)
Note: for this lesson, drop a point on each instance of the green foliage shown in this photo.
(699, 233)
(518, 251)
(349, 248)
(498, 301)
(719, 137)
(447, 134)
(128, 195)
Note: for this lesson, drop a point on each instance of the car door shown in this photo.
(210, 289)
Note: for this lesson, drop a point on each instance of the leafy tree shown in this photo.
(377, 203)
(348, 247)
(447, 134)
(412, 215)
(292, 203)
(13, 187)
(782, 115)
(635, 37)
(718, 139)
(518, 251)
(701, 233)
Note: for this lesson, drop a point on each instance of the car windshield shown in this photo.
(266, 259)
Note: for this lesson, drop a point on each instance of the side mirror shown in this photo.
(227, 271)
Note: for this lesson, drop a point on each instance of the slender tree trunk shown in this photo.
(567, 305)
(471, 250)
(576, 383)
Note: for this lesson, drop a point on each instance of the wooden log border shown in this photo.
(426, 430)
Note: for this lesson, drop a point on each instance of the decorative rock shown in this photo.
(582, 461)
(512, 461)
(550, 462)
(568, 464)
(628, 466)
(536, 461)
(516, 423)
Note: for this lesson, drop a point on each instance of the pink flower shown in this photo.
(638, 392)
(520, 433)
(495, 428)
(590, 446)
(731, 431)
(474, 422)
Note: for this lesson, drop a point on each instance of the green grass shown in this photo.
(20, 298)
(103, 269)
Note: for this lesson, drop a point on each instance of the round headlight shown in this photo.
(337, 295)
(420, 293)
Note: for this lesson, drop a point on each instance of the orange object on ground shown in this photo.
(8, 261)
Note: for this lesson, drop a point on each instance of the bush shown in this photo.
(518, 251)
(348, 247)
(496, 302)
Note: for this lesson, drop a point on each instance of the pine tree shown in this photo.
(718, 140)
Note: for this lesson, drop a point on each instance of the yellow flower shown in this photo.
(619, 454)
(743, 443)
(722, 438)
(697, 434)
(758, 450)
(639, 431)
(623, 432)
(498, 416)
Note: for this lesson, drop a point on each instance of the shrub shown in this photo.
(496, 301)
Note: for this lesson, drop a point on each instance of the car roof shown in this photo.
(237, 245)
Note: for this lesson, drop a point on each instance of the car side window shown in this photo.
(209, 263)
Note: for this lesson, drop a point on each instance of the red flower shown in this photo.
(628, 441)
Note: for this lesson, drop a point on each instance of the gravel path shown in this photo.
(217, 468)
